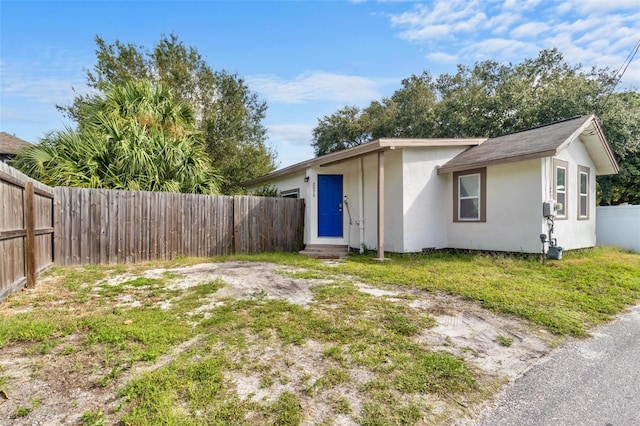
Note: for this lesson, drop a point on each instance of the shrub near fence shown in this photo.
(96, 226)
(26, 229)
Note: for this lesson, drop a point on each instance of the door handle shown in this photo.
(339, 206)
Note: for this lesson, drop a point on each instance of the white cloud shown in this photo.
(500, 49)
(501, 23)
(529, 30)
(589, 32)
(291, 134)
(317, 86)
(442, 57)
(427, 32)
(47, 81)
(291, 141)
(510, 4)
(520, 5)
(599, 7)
(476, 21)
(444, 19)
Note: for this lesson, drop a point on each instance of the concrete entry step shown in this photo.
(325, 251)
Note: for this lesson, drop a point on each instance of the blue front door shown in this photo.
(329, 205)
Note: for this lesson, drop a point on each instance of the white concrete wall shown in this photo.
(514, 211)
(419, 203)
(618, 226)
(425, 197)
(286, 183)
(350, 170)
(393, 201)
(371, 201)
(572, 233)
(393, 205)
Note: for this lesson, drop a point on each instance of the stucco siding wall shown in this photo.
(571, 232)
(370, 202)
(425, 197)
(286, 183)
(619, 226)
(393, 205)
(514, 211)
(350, 170)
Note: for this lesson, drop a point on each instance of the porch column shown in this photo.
(380, 205)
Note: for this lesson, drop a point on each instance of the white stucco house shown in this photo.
(408, 195)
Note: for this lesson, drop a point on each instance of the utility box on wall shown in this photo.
(554, 253)
(548, 209)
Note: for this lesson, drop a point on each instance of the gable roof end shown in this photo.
(599, 149)
(539, 142)
(10, 144)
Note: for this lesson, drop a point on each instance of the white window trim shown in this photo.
(482, 195)
(469, 197)
(560, 164)
(583, 171)
(290, 193)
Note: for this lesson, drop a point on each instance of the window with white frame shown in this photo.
(291, 193)
(469, 196)
(560, 187)
(583, 192)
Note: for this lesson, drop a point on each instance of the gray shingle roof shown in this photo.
(538, 142)
(10, 144)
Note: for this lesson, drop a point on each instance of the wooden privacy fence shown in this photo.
(26, 230)
(40, 225)
(96, 226)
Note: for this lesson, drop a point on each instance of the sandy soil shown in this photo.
(63, 392)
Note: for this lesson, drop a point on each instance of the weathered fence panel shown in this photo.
(96, 226)
(40, 225)
(264, 224)
(26, 230)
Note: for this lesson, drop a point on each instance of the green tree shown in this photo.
(341, 130)
(135, 137)
(408, 113)
(267, 191)
(620, 119)
(228, 113)
(411, 110)
(491, 99)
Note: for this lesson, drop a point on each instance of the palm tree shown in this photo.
(137, 137)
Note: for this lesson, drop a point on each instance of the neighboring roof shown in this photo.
(362, 150)
(539, 142)
(10, 144)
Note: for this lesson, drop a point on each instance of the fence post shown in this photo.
(237, 243)
(30, 238)
(300, 230)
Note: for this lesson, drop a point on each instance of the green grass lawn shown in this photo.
(81, 324)
(567, 297)
(586, 288)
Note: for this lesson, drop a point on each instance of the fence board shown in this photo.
(76, 226)
(26, 229)
(133, 226)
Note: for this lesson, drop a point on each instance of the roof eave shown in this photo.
(505, 160)
(360, 151)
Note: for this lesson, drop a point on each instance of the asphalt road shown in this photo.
(590, 382)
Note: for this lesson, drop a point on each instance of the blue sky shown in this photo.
(305, 59)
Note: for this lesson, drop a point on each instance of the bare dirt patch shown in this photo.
(67, 382)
